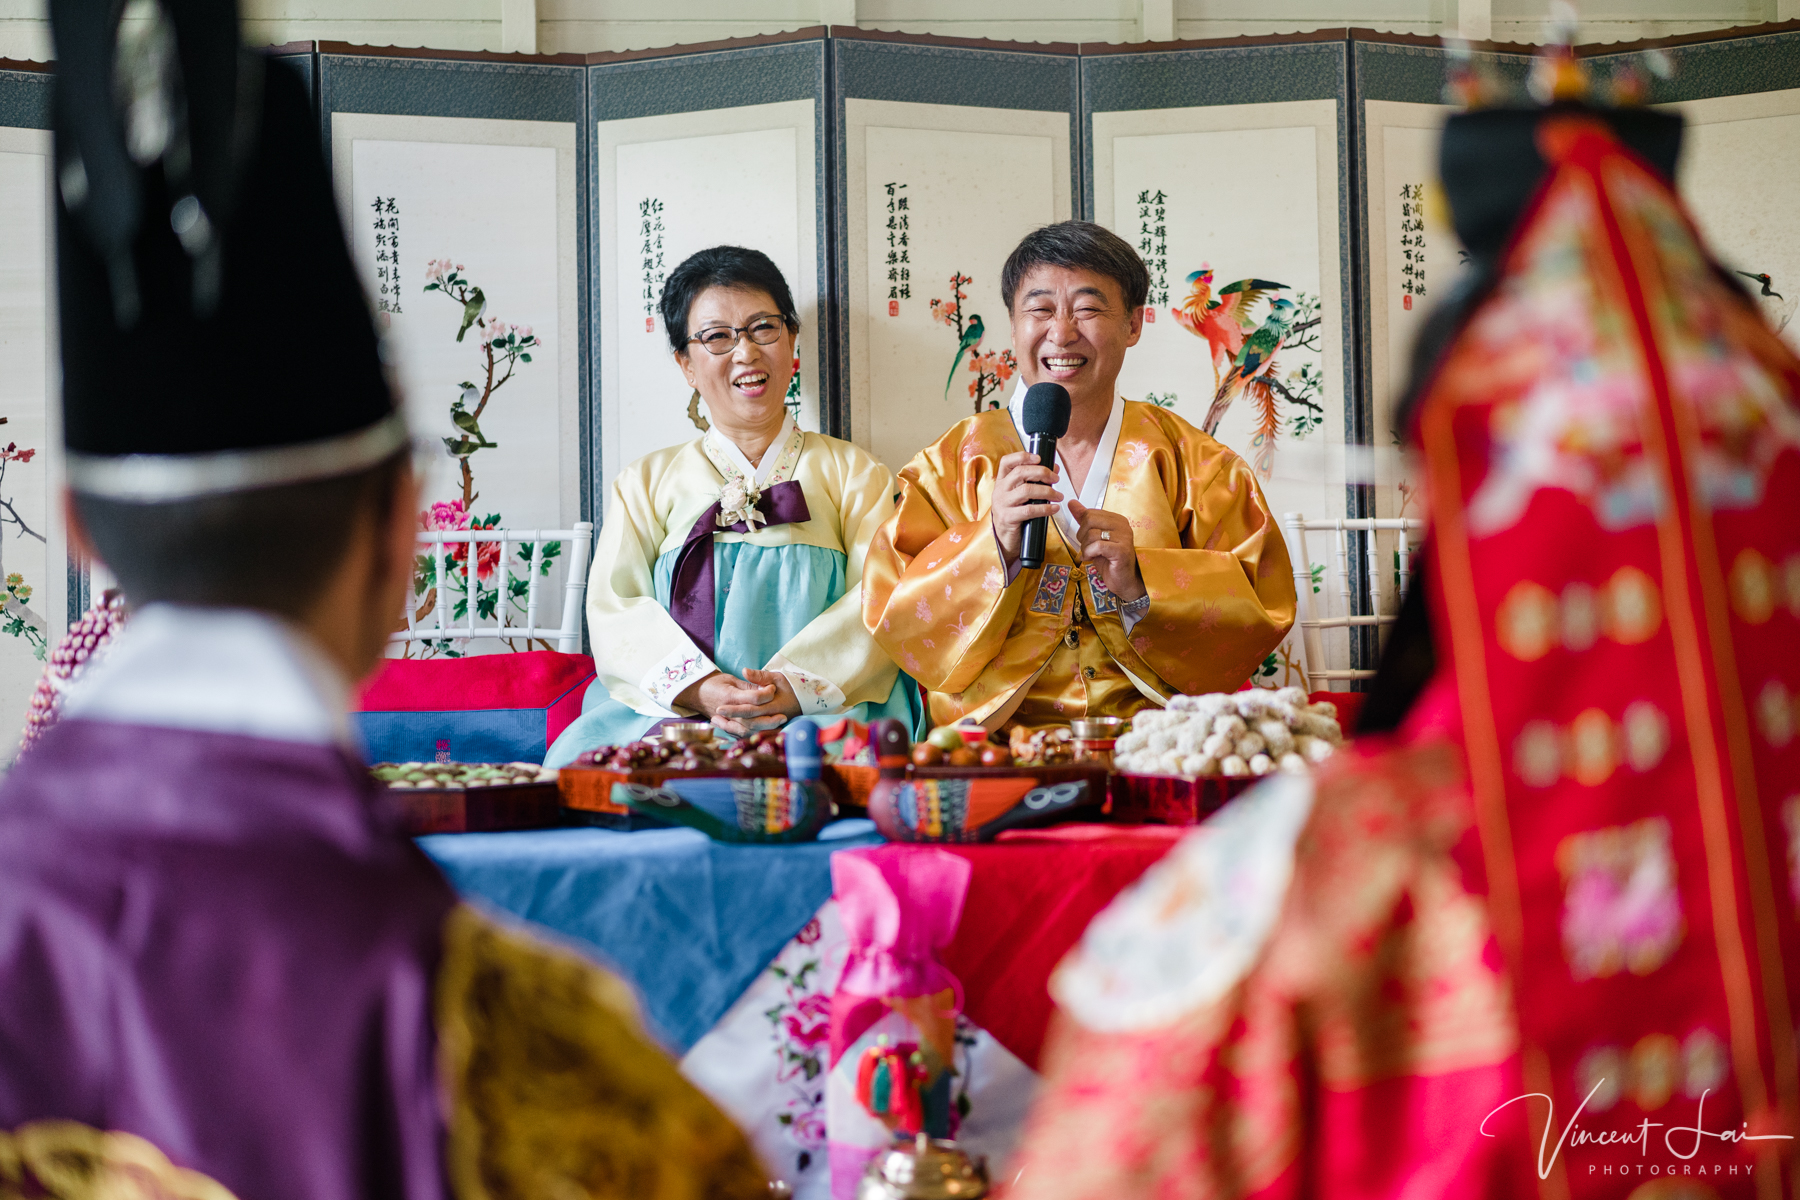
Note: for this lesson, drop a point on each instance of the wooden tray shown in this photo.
(1060, 773)
(850, 784)
(477, 810)
(1171, 799)
(590, 789)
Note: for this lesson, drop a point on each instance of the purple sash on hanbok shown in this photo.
(691, 599)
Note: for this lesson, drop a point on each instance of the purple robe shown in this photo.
(216, 942)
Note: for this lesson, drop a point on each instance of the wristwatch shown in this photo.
(1135, 609)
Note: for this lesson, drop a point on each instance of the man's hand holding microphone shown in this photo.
(1025, 494)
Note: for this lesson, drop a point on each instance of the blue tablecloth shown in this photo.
(689, 921)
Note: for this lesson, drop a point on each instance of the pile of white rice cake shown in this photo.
(1233, 734)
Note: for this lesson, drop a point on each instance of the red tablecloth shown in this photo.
(1029, 897)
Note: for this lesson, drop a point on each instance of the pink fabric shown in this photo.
(1164, 836)
(1034, 891)
(900, 906)
(1420, 1136)
(545, 679)
(848, 1163)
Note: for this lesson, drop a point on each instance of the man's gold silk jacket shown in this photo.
(1221, 588)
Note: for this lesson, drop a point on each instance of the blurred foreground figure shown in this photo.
(1541, 939)
(222, 970)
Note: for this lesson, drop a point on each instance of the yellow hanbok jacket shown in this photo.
(935, 593)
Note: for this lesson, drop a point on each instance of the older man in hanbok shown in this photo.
(1541, 940)
(1165, 571)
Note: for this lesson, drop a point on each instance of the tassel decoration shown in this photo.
(889, 1085)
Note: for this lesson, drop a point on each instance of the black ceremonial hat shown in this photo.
(1491, 165)
(215, 337)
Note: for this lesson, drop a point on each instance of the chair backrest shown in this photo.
(507, 588)
(1311, 618)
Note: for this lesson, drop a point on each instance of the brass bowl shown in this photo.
(1091, 728)
(926, 1169)
(681, 733)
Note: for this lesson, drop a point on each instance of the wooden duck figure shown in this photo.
(736, 809)
(972, 804)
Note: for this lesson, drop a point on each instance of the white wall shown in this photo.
(586, 25)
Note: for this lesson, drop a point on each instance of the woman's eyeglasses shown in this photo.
(723, 339)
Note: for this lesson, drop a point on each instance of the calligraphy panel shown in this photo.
(466, 230)
(675, 184)
(949, 155)
(694, 149)
(1227, 169)
(1412, 260)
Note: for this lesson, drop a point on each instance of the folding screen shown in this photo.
(1408, 256)
(697, 148)
(303, 59)
(50, 588)
(1228, 166)
(1740, 162)
(461, 179)
(948, 151)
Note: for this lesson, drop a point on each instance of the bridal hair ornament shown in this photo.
(1556, 75)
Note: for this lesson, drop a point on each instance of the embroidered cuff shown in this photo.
(670, 677)
(816, 694)
(1133, 611)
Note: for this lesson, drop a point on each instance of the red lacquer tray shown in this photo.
(1171, 799)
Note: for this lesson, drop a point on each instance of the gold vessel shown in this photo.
(924, 1169)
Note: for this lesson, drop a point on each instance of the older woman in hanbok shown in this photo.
(727, 578)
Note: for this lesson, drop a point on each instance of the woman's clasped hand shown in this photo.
(762, 700)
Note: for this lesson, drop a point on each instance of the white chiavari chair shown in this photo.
(439, 623)
(1383, 579)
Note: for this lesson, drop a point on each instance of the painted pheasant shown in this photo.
(1223, 322)
(1250, 375)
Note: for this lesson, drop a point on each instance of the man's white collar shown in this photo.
(217, 670)
(1093, 491)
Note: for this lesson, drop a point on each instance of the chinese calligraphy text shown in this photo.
(650, 233)
(899, 255)
(387, 254)
(1412, 242)
(1153, 242)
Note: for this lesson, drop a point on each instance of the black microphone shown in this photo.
(1046, 418)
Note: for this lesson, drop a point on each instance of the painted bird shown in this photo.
(1223, 322)
(473, 309)
(465, 420)
(972, 334)
(1767, 290)
(1778, 309)
(1254, 361)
